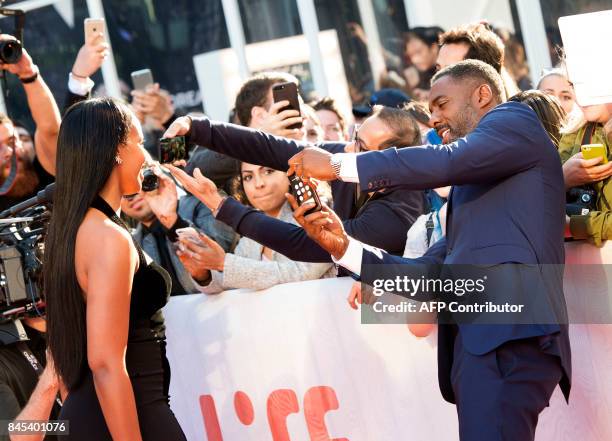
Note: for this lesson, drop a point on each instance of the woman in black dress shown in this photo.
(101, 290)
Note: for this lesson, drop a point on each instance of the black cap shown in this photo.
(384, 97)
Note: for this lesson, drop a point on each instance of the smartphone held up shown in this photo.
(287, 92)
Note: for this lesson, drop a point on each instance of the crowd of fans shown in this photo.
(252, 239)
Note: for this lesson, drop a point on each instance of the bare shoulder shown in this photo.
(104, 244)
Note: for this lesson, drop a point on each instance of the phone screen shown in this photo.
(172, 149)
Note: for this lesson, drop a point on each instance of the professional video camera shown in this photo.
(11, 50)
(21, 247)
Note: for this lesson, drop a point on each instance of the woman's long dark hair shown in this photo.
(549, 111)
(89, 138)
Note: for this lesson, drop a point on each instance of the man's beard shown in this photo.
(26, 180)
(466, 122)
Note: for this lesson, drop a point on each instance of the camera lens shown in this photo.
(585, 198)
(10, 51)
(150, 182)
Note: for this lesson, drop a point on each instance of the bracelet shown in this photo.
(30, 79)
(78, 76)
(215, 212)
(336, 164)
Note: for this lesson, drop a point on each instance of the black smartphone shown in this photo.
(289, 92)
(172, 149)
(303, 193)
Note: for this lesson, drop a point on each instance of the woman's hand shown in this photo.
(198, 185)
(153, 102)
(204, 252)
(164, 200)
(579, 171)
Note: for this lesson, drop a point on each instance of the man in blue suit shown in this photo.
(506, 206)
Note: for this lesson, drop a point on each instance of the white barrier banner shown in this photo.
(294, 363)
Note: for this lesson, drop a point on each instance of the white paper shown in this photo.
(587, 39)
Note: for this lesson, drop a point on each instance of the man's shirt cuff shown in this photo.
(352, 257)
(80, 86)
(348, 167)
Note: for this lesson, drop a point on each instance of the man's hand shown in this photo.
(164, 200)
(204, 253)
(578, 171)
(25, 67)
(153, 102)
(277, 121)
(355, 295)
(199, 185)
(179, 127)
(49, 377)
(324, 227)
(90, 57)
(312, 162)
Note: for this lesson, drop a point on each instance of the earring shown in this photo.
(118, 160)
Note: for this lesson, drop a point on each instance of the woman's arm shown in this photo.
(110, 262)
(244, 272)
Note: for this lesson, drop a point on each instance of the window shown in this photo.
(553, 9)
(164, 36)
(269, 19)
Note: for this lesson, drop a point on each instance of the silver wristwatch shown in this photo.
(336, 164)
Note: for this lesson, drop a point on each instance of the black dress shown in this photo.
(146, 363)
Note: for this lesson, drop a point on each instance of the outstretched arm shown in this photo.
(42, 105)
(243, 143)
(508, 140)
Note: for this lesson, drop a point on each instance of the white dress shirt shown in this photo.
(351, 259)
(79, 86)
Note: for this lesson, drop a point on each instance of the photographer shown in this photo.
(23, 174)
(160, 213)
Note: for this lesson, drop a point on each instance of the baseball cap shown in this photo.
(384, 97)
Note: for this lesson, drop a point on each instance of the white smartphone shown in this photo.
(93, 26)
(189, 233)
(141, 79)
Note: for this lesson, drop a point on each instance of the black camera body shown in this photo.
(21, 250)
(11, 50)
(580, 200)
(150, 181)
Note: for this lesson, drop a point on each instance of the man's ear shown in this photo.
(258, 113)
(484, 96)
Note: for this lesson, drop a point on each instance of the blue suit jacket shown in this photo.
(507, 205)
(397, 208)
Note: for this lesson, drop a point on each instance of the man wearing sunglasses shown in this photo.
(24, 170)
